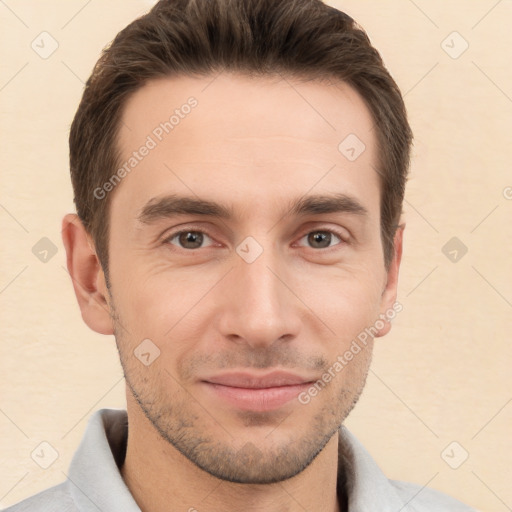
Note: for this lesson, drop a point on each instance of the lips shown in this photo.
(252, 392)
(245, 380)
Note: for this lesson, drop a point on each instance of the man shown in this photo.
(239, 169)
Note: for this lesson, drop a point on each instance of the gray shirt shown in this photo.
(94, 482)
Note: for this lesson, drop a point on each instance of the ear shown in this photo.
(389, 307)
(87, 275)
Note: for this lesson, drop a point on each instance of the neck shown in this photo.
(161, 478)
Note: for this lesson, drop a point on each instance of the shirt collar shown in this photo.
(366, 485)
(96, 482)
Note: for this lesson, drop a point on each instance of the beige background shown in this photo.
(443, 374)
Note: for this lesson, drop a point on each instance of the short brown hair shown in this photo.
(304, 39)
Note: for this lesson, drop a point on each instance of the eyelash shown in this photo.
(342, 238)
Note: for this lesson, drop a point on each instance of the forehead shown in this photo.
(262, 137)
(260, 106)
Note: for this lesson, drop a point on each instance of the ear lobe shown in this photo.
(390, 291)
(87, 275)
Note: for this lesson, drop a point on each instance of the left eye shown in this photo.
(189, 239)
(321, 239)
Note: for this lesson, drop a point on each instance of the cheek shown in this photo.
(164, 308)
(156, 303)
(346, 299)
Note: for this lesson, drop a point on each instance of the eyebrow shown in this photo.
(167, 206)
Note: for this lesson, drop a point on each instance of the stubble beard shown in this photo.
(184, 423)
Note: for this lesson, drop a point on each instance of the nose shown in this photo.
(259, 307)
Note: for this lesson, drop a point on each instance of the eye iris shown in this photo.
(195, 238)
(320, 237)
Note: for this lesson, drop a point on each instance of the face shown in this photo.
(245, 259)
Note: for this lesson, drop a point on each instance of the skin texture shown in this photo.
(253, 145)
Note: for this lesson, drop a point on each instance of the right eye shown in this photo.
(187, 239)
